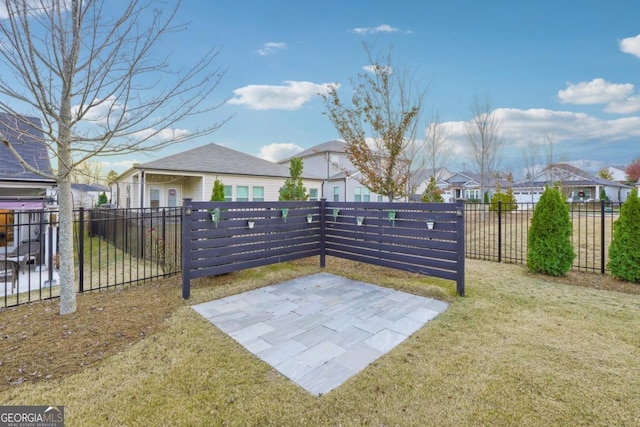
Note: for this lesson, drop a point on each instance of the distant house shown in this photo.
(22, 191)
(166, 181)
(420, 180)
(577, 184)
(86, 195)
(341, 179)
(467, 185)
(617, 173)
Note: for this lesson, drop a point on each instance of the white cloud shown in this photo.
(597, 91)
(290, 96)
(276, 152)
(384, 28)
(619, 98)
(631, 45)
(162, 135)
(378, 69)
(101, 110)
(271, 47)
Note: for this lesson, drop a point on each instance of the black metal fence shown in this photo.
(112, 247)
(221, 237)
(499, 232)
(115, 247)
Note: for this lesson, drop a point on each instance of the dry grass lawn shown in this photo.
(520, 349)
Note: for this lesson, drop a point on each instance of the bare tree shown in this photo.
(483, 134)
(380, 125)
(87, 172)
(436, 144)
(93, 72)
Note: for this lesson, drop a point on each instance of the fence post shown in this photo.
(187, 210)
(323, 208)
(81, 251)
(460, 211)
(500, 231)
(602, 247)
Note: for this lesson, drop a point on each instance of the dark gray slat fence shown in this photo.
(210, 250)
(406, 244)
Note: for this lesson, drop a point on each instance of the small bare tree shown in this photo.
(483, 135)
(436, 144)
(380, 125)
(93, 72)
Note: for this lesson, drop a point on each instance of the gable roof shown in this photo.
(334, 146)
(90, 187)
(569, 174)
(216, 159)
(24, 135)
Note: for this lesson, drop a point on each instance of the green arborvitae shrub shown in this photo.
(217, 194)
(624, 251)
(549, 250)
(293, 188)
(432, 194)
(102, 199)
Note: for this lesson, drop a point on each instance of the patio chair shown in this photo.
(9, 272)
(25, 252)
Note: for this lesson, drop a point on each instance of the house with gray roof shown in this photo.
(20, 188)
(22, 192)
(340, 182)
(166, 181)
(577, 185)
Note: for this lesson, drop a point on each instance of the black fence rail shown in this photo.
(112, 247)
(221, 237)
(499, 232)
(142, 244)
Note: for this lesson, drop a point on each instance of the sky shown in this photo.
(561, 70)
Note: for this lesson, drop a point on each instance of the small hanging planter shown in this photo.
(285, 213)
(430, 224)
(335, 214)
(251, 222)
(309, 218)
(359, 220)
(392, 217)
(215, 216)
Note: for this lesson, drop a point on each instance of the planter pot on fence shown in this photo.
(430, 224)
(251, 223)
(359, 220)
(309, 218)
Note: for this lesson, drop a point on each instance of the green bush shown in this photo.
(102, 199)
(624, 251)
(217, 193)
(432, 194)
(550, 251)
(508, 201)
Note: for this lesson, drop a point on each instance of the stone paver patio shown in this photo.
(320, 330)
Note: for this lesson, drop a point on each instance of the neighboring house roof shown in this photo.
(98, 188)
(216, 159)
(566, 173)
(334, 146)
(24, 135)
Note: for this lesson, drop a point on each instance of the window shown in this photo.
(258, 194)
(380, 197)
(357, 196)
(242, 193)
(313, 194)
(472, 194)
(154, 197)
(336, 194)
(366, 195)
(228, 193)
